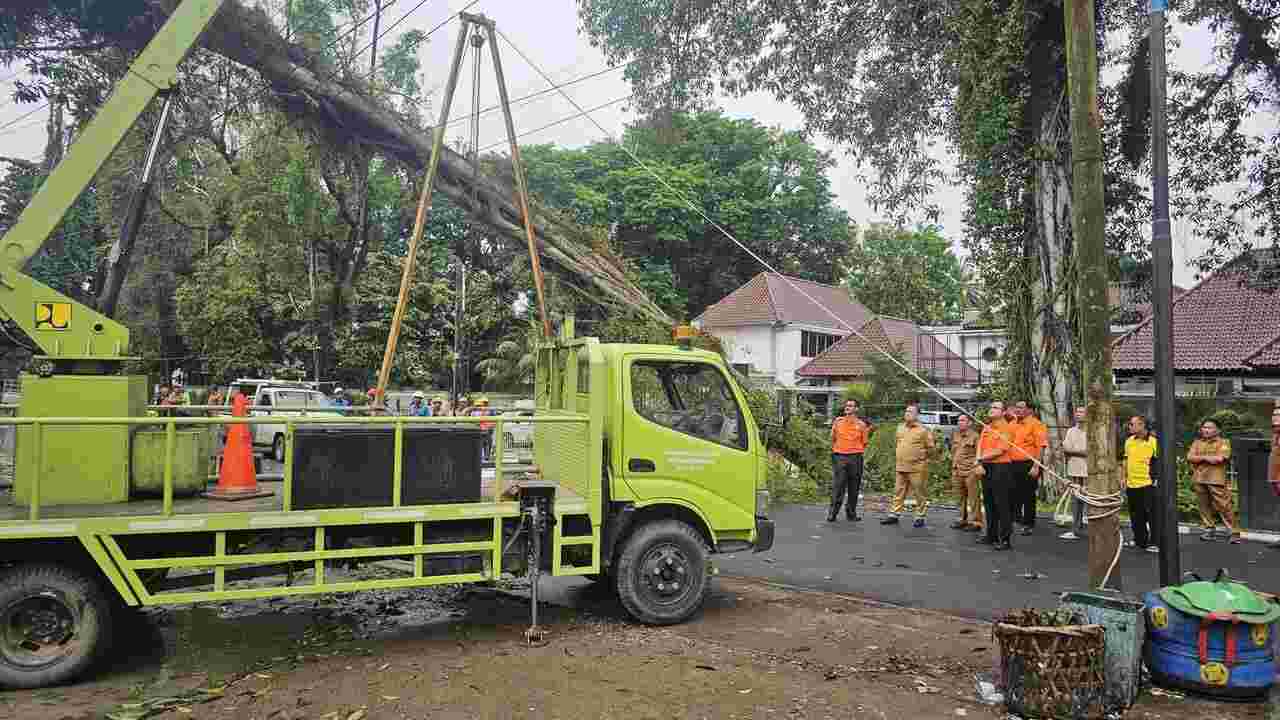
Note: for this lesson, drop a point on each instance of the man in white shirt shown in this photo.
(1075, 445)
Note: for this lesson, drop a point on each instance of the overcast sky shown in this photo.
(548, 31)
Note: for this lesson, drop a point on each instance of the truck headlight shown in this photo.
(762, 502)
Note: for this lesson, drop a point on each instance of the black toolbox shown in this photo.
(338, 466)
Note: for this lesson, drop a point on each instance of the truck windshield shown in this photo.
(692, 398)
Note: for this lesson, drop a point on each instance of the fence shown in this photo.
(171, 424)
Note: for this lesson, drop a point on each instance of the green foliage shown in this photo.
(767, 187)
(906, 273)
(890, 385)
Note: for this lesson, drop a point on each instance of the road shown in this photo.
(941, 569)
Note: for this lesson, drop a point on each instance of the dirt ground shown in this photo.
(758, 651)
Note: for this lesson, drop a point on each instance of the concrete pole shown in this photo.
(1088, 225)
(1162, 300)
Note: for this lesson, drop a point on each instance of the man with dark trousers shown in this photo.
(849, 434)
(1139, 461)
(1030, 439)
(993, 447)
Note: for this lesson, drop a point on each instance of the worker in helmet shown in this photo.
(418, 405)
(437, 406)
(482, 410)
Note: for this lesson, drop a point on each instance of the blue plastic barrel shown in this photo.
(1176, 659)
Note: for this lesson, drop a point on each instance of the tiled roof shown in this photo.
(1224, 323)
(769, 298)
(1267, 356)
(852, 355)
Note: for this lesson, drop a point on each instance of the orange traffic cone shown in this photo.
(236, 478)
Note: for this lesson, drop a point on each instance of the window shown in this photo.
(813, 344)
(692, 398)
(291, 398)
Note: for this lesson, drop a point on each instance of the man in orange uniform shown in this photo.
(914, 446)
(1030, 439)
(964, 456)
(849, 435)
(993, 446)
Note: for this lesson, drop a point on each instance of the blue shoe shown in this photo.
(918, 523)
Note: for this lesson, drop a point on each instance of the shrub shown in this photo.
(880, 472)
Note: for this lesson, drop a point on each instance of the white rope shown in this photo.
(587, 114)
(1105, 506)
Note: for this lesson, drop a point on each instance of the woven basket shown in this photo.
(1053, 672)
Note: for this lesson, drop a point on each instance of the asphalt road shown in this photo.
(938, 568)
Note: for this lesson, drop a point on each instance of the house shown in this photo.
(853, 359)
(1226, 334)
(774, 324)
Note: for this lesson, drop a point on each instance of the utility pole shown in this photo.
(1088, 225)
(1162, 300)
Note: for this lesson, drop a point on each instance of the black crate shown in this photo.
(352, 466)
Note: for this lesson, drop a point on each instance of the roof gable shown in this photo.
(852, 356)
(772, 298)
(1225, 323)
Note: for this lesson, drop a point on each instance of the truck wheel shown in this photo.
(277, 449)
(54, 623)
(661, 575)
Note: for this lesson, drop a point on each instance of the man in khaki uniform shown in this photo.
(964, 459)
(914, 445)
(1209, 457)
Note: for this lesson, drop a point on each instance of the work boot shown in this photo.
(959, 524)
(891, 520)
(853, 517)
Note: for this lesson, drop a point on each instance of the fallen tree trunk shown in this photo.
(345, 109)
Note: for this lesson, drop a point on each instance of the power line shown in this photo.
(534, 95)
(561, 121)
(24, 116)
(707, 218)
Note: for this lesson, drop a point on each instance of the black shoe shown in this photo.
(984, 540)
(1027, 530)
(831, 517)
(1006, 545)
(853, 518)
(891, 520)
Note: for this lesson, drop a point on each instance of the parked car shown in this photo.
(270, 397)
(945, 422)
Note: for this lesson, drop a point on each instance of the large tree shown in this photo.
(909, 273)
(889, 78)
(768, 187)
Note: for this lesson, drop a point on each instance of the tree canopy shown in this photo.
(768, 187)
(909, 273)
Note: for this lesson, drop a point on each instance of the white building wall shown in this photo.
(752, 345)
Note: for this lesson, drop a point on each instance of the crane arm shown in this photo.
(62, 328)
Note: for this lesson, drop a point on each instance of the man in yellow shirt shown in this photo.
(914, 446)
(1209, 457)
(1139, 457)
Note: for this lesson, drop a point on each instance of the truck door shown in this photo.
(263, 400)
(685, 437)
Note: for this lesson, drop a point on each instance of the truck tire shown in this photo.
(277, 449)
(55, 622)
(661, 575)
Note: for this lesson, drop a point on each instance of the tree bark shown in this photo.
(346, 110)
(1089, 225)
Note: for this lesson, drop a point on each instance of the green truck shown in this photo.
(646, 460)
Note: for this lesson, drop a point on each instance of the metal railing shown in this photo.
(37, 427)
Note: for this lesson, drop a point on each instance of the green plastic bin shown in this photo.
(190, 462)
(1121, 616)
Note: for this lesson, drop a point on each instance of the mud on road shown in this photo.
(758, 651)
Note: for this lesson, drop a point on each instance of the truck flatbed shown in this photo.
(154, 506)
